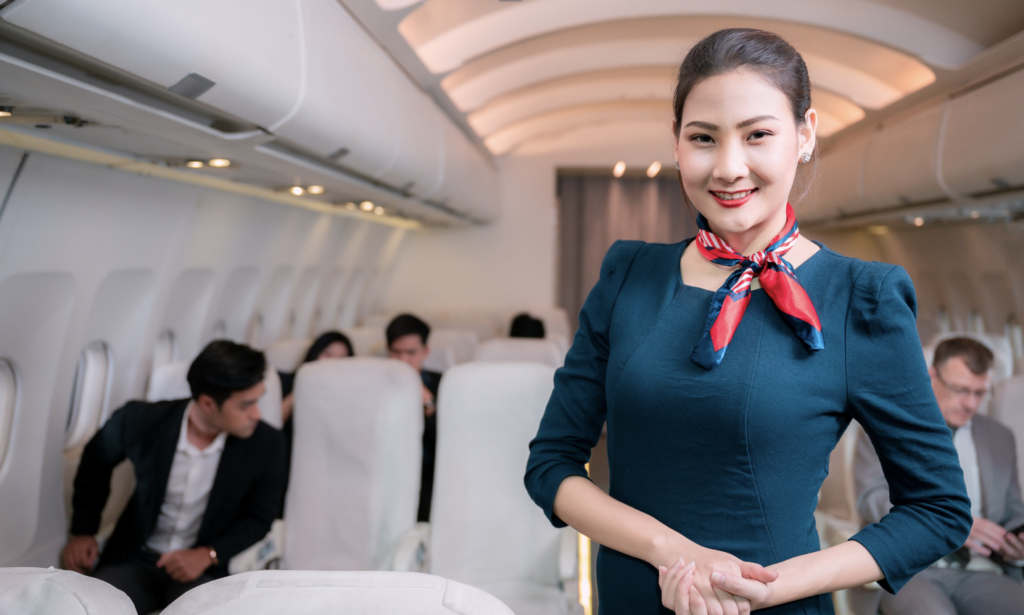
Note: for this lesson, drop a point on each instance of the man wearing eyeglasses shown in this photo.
(984, 576)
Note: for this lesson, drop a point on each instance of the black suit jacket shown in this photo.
(244, 499)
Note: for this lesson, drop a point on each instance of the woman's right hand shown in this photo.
(715, 601)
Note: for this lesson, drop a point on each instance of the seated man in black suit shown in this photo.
(209, 478)
(407, 342)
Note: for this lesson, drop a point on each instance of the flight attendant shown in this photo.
(727, 367)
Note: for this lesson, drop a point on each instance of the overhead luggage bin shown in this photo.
(899, 168)
(983, 149)
(837, 186)
(253, 56)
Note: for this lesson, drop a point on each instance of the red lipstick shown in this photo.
(732, 204)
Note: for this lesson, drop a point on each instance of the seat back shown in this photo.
(484, 527)
(1007, 407)
(440, 359)
(355, 470)
(516, 349)
(462, 341)
(360, 593)
(170, 381)
(368, 341)
(42, 590)
(286, 355)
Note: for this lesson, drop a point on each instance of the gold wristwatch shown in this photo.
(213, 556)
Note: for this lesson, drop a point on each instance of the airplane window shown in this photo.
(254, 336)
(1016, 336)
(942, 316)
(220, 329)
(976, 322)
(8, 401)
(166, 349)
(90, 394)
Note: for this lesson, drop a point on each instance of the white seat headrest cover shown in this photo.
(462, 341)
(170, 381)
(286, 355)
(521, 349)
(440, 359)
(368, 341)
(40, 590)
(360, 593)
(355, 471)
(485, 529)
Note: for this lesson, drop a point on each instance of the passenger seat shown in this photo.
(1007, 407)
(519, 349)
(286, 355)
(47, 590)
(355, 472)
(170, 381)
(485, 531)
(271, 592)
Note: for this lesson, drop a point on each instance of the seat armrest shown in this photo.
(260, 555)
(411, 550)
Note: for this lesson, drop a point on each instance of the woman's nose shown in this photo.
(730, 164)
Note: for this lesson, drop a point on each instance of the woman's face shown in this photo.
(738, 151)
(336, 350)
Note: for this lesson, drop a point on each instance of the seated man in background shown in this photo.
(208, 482)
(524, 325)
(407, 342)
(983, 577)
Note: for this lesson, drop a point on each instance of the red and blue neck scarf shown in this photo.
(730, 301)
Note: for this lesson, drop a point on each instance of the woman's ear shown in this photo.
(808, 132)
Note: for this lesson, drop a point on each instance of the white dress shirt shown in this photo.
(188, 491)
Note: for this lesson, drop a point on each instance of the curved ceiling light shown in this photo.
(395, 5)
(600, 145)
(447, 44)
(654, 83)
(550, 124)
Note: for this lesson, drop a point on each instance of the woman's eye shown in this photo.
(701, 139)
(759, 134)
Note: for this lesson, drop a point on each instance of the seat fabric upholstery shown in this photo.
(41, 590)
(356, 456)
(543, 351)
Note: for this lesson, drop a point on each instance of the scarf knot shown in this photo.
(777, 278)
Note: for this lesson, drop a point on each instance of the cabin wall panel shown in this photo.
(92, 253)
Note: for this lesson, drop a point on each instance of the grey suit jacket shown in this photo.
(997, 467)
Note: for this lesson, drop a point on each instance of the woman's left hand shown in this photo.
(759, 594)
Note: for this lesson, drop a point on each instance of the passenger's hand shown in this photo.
(986, 537)
(717, 601)
(80, 553)
(428, 402)
(1013, 548)
(186, 565)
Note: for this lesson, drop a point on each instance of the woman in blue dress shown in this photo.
(728, 366)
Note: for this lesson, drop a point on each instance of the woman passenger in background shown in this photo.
(727, 367)
(330, 345)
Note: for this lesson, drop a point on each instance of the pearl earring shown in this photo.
(805, 157)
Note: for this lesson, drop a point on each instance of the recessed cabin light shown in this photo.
(315, 190)
(350, 206)
(620, 168)
(378, 211)
(918, 221)
(366, 206)
(6, 111)
(220, 163)
(297, 190)
(654, 169)
(195, 164)
(878, 230)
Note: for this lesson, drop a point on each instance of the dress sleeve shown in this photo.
(576, 412)
(889, 393)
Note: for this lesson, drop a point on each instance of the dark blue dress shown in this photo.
(733, 458)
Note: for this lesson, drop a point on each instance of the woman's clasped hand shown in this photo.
(717, 585)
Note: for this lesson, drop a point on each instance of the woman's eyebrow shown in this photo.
(755, 120)
(704, 125)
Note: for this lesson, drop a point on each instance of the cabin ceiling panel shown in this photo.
(447, 33)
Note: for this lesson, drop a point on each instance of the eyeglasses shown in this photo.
(962, 392)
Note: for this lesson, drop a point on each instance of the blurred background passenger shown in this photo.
(330, 345)
(165, 543)
(407, 341)
(984, 576)
(525, 325)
